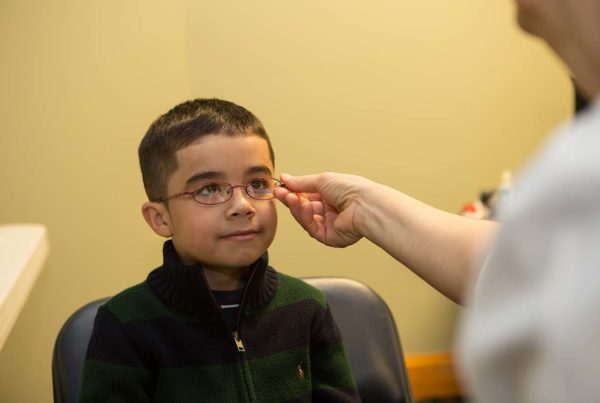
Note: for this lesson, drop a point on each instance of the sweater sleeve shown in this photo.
(113, 370)
(332, 380)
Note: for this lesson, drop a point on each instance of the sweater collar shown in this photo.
(185, 288)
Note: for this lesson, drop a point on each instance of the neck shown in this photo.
(225, 279)
(583, 61)
(589, 86)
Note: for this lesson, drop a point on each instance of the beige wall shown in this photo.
(434, 98)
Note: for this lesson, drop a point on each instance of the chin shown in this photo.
(241, 262)
(524, 22)
(530, 17)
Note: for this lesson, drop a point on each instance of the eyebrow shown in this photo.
(201, 176)
(208, 175)
(259, 169)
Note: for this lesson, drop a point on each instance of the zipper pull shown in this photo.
(238, 342)
(300, 371)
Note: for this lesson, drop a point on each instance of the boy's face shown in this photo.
(233, 234)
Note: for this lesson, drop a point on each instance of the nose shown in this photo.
(240, 204)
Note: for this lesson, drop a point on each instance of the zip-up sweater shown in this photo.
(167, 340)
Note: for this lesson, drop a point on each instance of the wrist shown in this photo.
(367, 216)
(383, 213)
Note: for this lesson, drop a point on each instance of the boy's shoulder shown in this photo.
(135, 303)
(294, 290)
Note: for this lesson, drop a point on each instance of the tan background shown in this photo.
(434, 98)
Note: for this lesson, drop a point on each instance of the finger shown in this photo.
(281, 194)
(307, 215)
(306, 212)
(311, 196)
(297, 208)
(318, 207)
(304, 184)
(292, 201)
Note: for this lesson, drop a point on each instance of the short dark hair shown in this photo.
(183, 125)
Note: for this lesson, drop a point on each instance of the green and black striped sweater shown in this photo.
(166, 340)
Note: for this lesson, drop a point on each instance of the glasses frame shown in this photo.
(202, 184)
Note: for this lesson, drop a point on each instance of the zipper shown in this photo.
(236, 338)
(300, 371)
(238, 342)
(236, 334)
(247, 378)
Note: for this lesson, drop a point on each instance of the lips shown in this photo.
(241, 235)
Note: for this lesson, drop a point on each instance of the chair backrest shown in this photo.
(364, 320)
(70, 350)
(371, 339)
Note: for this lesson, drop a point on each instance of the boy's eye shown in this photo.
(209, 189)
(258, 184)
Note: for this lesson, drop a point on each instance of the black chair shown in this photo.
(70, 350)
(364, 319)
(370, 337)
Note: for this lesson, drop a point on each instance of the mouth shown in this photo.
(241, 235)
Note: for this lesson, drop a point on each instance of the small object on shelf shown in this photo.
(484, 207)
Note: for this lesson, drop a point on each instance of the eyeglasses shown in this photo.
(212, 193)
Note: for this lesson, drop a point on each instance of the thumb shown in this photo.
(302, 184)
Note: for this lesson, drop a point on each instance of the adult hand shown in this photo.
(328, 205)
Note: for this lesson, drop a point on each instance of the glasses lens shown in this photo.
(262, 188)
(213, 193)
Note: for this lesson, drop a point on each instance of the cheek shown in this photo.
(268, 214)
(194, 220)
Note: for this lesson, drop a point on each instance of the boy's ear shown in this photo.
(157, 217)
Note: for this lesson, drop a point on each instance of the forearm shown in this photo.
(441, 248)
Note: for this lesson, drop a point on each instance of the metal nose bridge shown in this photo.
(244, 190)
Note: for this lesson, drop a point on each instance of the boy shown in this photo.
(214, 323)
